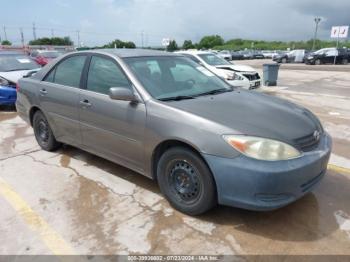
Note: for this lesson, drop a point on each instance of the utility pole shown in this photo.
(52, 33)
(78, 34)
(317, 21)
(142, 39)
(22, 36)
(5, 33)
(34, 31)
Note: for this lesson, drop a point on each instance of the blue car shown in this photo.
(13, 66)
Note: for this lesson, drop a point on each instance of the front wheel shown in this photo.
(43, 133)
(317, 62)
(284, 60)
(345, 61)
(186, 181)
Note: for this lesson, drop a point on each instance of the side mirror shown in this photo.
(122, 93)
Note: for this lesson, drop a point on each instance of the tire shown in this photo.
(345, 61)
(318, 62)
(186, 181)
(43, 133)
(284, 60)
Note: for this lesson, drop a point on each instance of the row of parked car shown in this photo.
(15, 65)
(247, 54)
(322, 56)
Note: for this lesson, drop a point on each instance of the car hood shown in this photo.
(14, 76)
(252, 113)
(238, 68)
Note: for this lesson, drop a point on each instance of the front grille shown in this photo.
(307, 143)
(252, 77)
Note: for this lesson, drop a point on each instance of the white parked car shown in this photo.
(225, 55)
(236, 75)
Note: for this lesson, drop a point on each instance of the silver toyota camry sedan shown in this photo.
(172, 120)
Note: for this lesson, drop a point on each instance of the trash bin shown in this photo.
(270, 74)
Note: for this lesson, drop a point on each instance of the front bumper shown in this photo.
(262, 185)
(246, 84)
(8, 95)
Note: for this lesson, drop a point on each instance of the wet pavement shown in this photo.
(72, 202)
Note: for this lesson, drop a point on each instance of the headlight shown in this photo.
(262, 148)
(4, 82)
(238, 77)
(233, 76)
(230, 76)
(310, 57)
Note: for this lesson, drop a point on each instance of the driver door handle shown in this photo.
(43, 92)
(85, 103)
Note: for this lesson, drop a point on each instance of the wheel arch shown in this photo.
(32, 111)
(167, 144)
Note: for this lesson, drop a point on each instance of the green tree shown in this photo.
(172, 46)
(120, 44)
(187, 45)
(52, 41)
(6, 42)
(211, 41)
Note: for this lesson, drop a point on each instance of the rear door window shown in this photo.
(68, 72)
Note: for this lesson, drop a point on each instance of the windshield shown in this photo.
(213, 59)
(167, 77)
(16, 63)
(50, 54)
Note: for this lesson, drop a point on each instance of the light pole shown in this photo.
(317, 21)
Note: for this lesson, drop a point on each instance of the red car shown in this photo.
(44, 57)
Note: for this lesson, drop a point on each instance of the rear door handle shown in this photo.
(43, 92)
(85, 103)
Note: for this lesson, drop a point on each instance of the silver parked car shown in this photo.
(174, 121)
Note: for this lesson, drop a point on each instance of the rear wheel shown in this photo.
(186, 181)
(345, 61)
(43, 133)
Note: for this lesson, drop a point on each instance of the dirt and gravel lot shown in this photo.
(71, 202)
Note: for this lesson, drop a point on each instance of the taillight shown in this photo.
(17, 87)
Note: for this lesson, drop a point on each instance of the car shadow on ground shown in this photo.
(308, 219)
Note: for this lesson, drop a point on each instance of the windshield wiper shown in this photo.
(216, 91)
(175, 98)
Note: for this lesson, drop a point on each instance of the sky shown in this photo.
(149, 21)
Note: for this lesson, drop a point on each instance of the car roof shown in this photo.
(194, 52)
(135, 52)
(11, 53)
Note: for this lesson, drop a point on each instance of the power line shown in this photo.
(147, 38)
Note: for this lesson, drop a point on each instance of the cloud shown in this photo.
(62, 3)
(105, 20)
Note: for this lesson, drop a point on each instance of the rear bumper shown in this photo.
(262, 185)
(8, 95)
